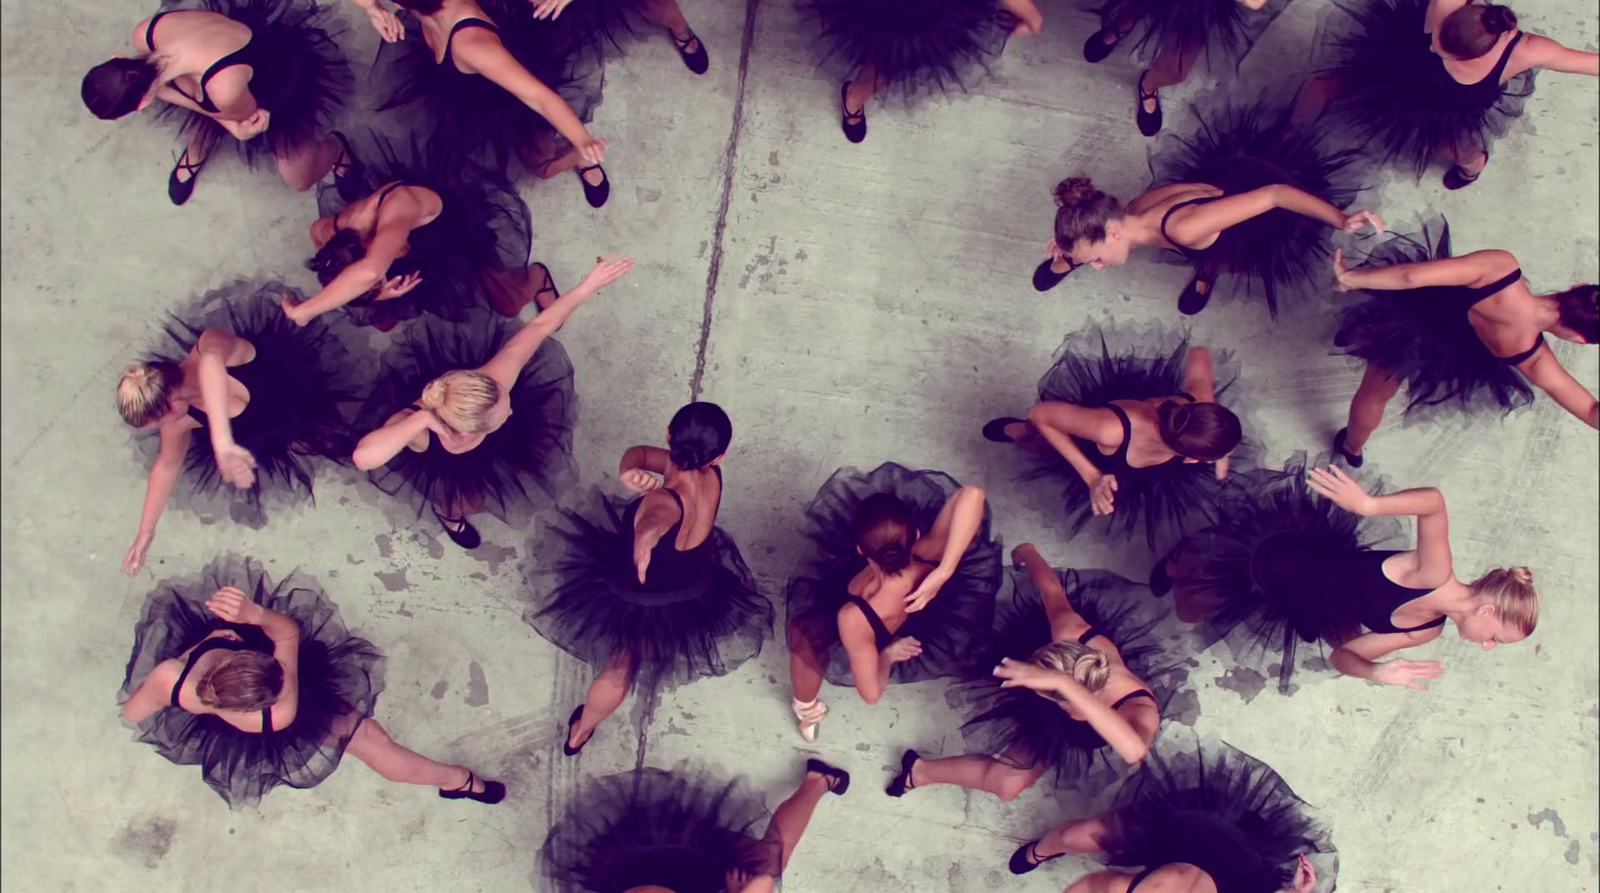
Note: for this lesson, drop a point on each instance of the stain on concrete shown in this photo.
(1537, 820)
(772, 158)
(1572, 853)
(148, 840)
(647, 195)
(351, 559)
(703, 246)
(1242, 681)
(1184, 708)
(403, 612)
(801, 254)
(394, 582)
(385, 545)
(439, 689)
(477, 686)
(674, 729)
(493, 554)
(863, 747)
(478, 575)
(434, 547)
(760, 260)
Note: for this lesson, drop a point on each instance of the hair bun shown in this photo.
(1075, 191)
(1180, 418)
(1499, 19)
(1523, 575)
(433, 394)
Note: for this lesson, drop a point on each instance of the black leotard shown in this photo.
(1476, 96)
(448, 61)
(417, 255)
(253, 378)
(244, 55)
(205, 647)
(1467, 298)
(1322, 588)
(880, 632)
(1116, 463)
(672, 569)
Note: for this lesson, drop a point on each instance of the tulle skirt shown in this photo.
(1220, 32)
(587, 600)
(682, 830)
(604, 27)
(515, 470)
(340, 678)
(917, 47)
(475, 251)
(1422, 337)
(1027, 731)
(472, 116)
(954, 628)
(1160, 502)
(299, 74)
(1392, 94)
(1218, 809)
(304, 393)
(1217, 578)
(1280, 256)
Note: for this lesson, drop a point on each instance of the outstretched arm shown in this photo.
(163, 476)
(507, 363)
(1130, 743)
(478, 51)
(1544, 370)
(149, 697)
(1359, 658)
(406, 428)
(1542, 52)
(657, 513)
(1477, 268)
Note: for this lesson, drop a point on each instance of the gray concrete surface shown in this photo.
(848, 305)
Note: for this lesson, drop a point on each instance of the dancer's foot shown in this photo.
(1148, 108)
(1354, 460)
(1027, 857)
(854, 124)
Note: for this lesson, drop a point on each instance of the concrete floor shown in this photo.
(847, 305)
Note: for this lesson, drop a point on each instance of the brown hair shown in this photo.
(462, 399)
(1204, 431)
(1090, 666)
(885, 530)
(1580, 311)
(1082, 212)
(1474, 29)
(241, 680)
(1511, 592)
(145, 392)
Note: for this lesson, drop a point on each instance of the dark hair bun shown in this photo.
(341, 251)
(1075, 191)
(116, 87)
(1498, 19)
(697, 435)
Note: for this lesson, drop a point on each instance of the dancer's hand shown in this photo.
(234, 606)
(1102, 494)
(924, 593)
(395, 286)
(1354, 221)
(551, 9)
(902, 649)
(1341, 273)
(1340, 489)
(606, 271)
(250, 128)
(592, 151)
(291, 309)
(386, 23)
(1305, 876)
(133, 562)
(639, 481)
(1410, 673)
(236, 465)
(1016, 673)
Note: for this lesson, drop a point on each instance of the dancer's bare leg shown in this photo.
(1367, 406)
(606, 694)
(372, 745)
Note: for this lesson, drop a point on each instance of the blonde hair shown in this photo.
(1511, 592)
(1090, 666)
(462, 399)
(241, 680)
(144, 394)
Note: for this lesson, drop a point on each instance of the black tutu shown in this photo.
(304, 386)
(954, 628)
(682, 830)
(1216, 808)
(1217, 578)
(588, 602)
(505, 473)
(1027, 731)
(1424, 338)
(917, 47)
(1219, 31)
(299, 74)
(1160, 502)
(603, 27)
(340, 678)
(1279, 255)
(475, 250)
(1393, 94)
(473, 117)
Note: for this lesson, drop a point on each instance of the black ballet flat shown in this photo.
(1027, 858)
(698, 61)
(566, 745)
(902, 782)
(1193, 300)
(1045, 278)
(344, 180)
(1160, 578)
(1354, 460)
(1456, 178)
(180, 190)
(493, 791)
(1097, 48)
(466, 536)
(595, 194)
(854, 131)
(994, 430)
(838, 779)
(1149, 122)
